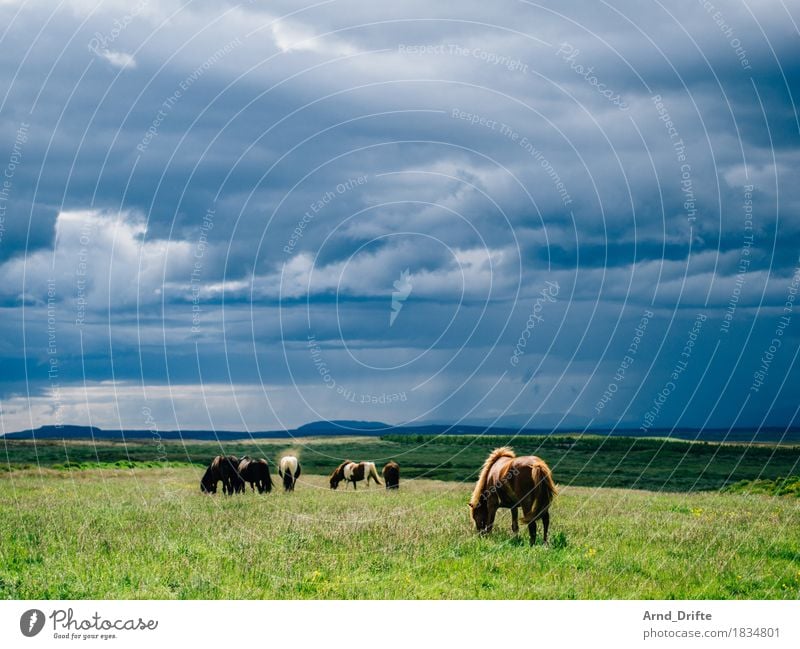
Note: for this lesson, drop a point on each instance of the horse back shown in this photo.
(532, 478)
(289, 465)
(500, 472)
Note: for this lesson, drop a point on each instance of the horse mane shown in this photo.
(341, 467)
(480, 486)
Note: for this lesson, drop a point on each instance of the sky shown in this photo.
(249, 216)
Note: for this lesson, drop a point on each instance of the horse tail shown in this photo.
(267, 477)
(544, 489)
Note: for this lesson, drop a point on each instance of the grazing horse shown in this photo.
(362, 471)
(350, 471)
(232, 482)
(208, 483)
(509, 481)
(255, 472)
(391, 475)
(289, 471)
(338, 474)
(222, 469)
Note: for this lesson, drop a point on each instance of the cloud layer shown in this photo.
(215, 205)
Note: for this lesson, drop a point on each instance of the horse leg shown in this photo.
(545, 525)
(532, 531)
(490, 519)
(514, 517)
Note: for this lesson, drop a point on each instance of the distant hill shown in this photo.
(343, 426)
(740, 435)
(91, 432)
(61, 432)
(316, 429)
(376, 429)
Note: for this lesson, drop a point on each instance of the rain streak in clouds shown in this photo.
(249, 216)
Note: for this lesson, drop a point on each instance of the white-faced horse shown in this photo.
(289, 471)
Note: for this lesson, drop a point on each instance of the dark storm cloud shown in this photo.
(212, 186)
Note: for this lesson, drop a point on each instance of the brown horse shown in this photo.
(256, 473)
(509, 481)
(350, 471)
(391, 475)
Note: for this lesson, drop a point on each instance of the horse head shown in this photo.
(480, 515)
(338, 474)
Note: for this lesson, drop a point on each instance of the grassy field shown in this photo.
(653, 464)
(149, 533)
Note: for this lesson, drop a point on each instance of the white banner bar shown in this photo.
(401, 625)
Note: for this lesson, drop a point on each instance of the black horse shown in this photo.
(255, 472)
(208, 483)
(391, 475)
(222, 469)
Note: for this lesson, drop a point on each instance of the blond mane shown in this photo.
(480, 486)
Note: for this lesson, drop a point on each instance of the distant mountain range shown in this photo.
(314, 429)
(376, 428)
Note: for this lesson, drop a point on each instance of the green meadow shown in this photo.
(634, 519)
(589, 461)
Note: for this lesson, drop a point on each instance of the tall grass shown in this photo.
(149, 533)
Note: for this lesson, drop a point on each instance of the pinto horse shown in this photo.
(512, 482)
(350, 471)
(338, 474)
(289, 471)
(391, 475)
